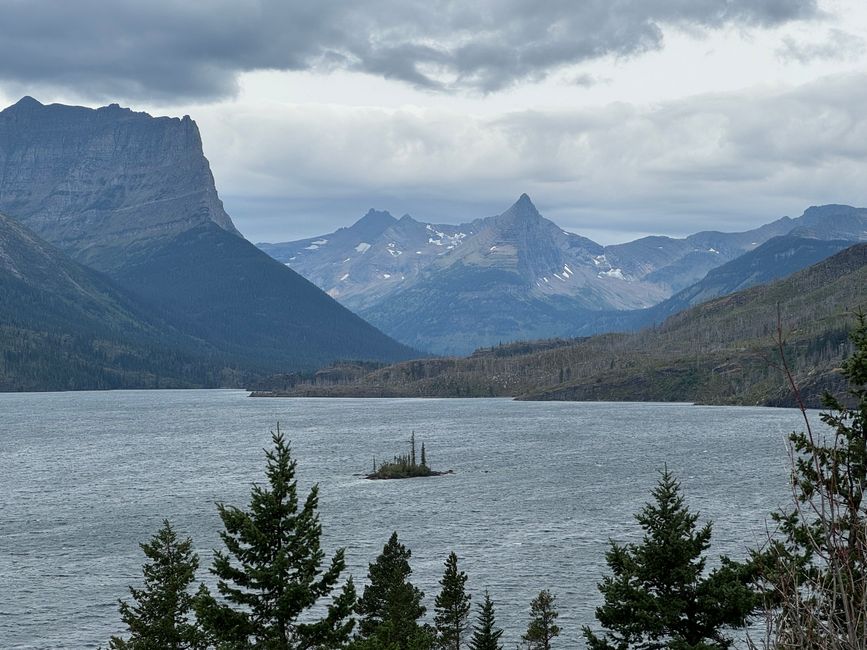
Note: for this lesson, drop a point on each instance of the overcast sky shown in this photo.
(618, 117)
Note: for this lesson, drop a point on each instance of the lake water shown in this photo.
(538, 490)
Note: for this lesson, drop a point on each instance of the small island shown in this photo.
(405, 466)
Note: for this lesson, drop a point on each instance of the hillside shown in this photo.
(719, 352)
(64, 326)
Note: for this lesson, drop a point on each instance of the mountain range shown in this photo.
(129, 203)
(120, 268)
(518, 276)
(723, 351)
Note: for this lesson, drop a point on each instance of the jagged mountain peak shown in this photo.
(376, 217)
(522, 209)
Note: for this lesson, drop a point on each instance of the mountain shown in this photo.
(133, 196)
(96, 183)
(375, 257)
(776, 258)
(517, 275)
(720, 352)
(65, 326)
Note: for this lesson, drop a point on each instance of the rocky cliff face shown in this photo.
(98, 182)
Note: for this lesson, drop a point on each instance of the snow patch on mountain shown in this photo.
(612, 273)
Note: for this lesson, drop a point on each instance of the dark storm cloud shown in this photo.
(167, 48)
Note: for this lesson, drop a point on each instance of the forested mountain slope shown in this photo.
(64, 326)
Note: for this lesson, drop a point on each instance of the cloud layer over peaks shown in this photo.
(197, 50)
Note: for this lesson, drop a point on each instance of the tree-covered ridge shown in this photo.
(717, 352)
(64, 326)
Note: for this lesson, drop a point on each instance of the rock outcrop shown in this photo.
(98, 182)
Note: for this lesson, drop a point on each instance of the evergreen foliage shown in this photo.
(815, 573)
(658, 595)
(486, 635)
(271, 574)
(543, 627)
(159, 618)
(452, 606)
(404, 465)
(390, 608)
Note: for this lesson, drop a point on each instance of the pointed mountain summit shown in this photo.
(448, 289)
(374, 220)
(26, 103)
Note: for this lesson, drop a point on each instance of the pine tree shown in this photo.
(412, 442)
(816, 571)
(390, 607)
(486, 636)
(542, 628)
(160, 616)
(423, 456)
(658, 595)
(452, 606)
(271, 574)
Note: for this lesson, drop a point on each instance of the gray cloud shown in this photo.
(176, 48)
(724, 161)
(836, 45)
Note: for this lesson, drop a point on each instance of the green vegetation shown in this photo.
(543, 628)
(814, 571)
(405, 465)
(271, 575)
(161, 613)
(452, 607)
(659, 594)
(390, 609)
(486, 634)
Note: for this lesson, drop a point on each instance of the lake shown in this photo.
(538, 490)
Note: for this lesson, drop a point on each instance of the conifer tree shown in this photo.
(452, 606)
(814, 574)
(412, 443)
(659, 595)
(486, 636)
(160, 616)
(390, 606)
(423, 456)
(271, 573)
(543, 627)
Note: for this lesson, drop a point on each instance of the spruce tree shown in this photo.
(486, 636)
(271, 574)
(160, 615)
(659, 595)
(390, 606)
(543, 627)
(452, 606)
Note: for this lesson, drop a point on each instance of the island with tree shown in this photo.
(405, 465)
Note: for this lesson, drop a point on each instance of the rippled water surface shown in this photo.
(538, 490)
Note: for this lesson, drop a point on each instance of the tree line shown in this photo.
(275, 589)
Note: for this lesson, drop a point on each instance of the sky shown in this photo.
(619, 118)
